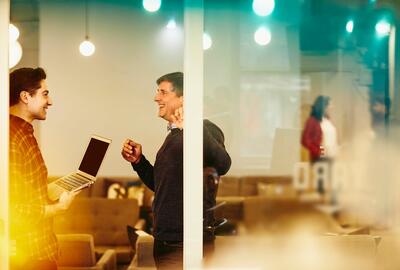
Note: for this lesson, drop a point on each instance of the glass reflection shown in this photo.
(310, 123)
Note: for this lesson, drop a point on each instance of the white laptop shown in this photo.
(86, 174)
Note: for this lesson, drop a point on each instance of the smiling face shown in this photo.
(38, 103)
(167, 99)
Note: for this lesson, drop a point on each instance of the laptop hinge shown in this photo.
(84, 176)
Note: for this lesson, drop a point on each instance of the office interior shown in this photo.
(264, 64)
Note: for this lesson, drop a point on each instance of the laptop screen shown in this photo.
(93, 157)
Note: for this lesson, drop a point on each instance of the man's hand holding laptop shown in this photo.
(62, 205)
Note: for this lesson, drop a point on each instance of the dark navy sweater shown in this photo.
(165, 178)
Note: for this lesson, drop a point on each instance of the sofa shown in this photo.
(233, 190)
(106, 220)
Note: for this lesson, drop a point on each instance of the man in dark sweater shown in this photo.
(165, 178)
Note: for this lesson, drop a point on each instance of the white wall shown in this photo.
(110, 93)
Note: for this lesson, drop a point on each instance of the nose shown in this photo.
(49, 101)
(156, 97)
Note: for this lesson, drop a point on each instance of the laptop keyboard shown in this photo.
(71, 182)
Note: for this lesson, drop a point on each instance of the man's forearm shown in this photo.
(145, 171)
(52, 210)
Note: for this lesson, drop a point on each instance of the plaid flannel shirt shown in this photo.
(32, 233)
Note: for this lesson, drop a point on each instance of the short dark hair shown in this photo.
(319, 107)
(25, 79)
(176, 78)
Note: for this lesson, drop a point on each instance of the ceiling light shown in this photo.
(382, 28)
(350, 26)
(207, 41)
(263, 7)
(262, 36)
(15, 53)
(13, 32)
(151, 5)
(171, 24)
(87, 48)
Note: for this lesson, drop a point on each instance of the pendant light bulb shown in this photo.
(87, 48)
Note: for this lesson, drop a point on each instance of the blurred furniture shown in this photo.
(289, 215)
(126, 188)
(104, 219)
(143, 259)
(233, 190)
(77, 253)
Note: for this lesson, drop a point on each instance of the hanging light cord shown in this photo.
(86, 20)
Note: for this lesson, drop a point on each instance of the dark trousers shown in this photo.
(321, 188)
(34, 265)
(168, 255)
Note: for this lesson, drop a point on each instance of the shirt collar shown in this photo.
(171, 126)
(21, 123)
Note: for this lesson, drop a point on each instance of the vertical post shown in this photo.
(392, 63)
(4, 129)
(193, 135)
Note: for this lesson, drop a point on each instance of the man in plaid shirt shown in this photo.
(31, 212)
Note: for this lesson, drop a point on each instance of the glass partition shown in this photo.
(305, 93)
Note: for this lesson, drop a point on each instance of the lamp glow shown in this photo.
(151, 5)
(13, 32)
(382, 28)
(207, 41)
(350, 26)
(263, 7)
(262, 36)
(15, 53)
(171, 24)
(87, 48)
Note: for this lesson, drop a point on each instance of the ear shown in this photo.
(23, 96)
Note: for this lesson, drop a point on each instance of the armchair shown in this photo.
(144, 252)
(77, 253)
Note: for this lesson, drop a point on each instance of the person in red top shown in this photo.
(311, 138)
(320, 137)
(31, 212)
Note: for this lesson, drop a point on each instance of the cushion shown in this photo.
(76, 250)
(276, 191)
(248, 184)
(124, 189)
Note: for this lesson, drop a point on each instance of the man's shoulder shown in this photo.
(208, 124)
(214, 130)
(19, 137)
(17, 132)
